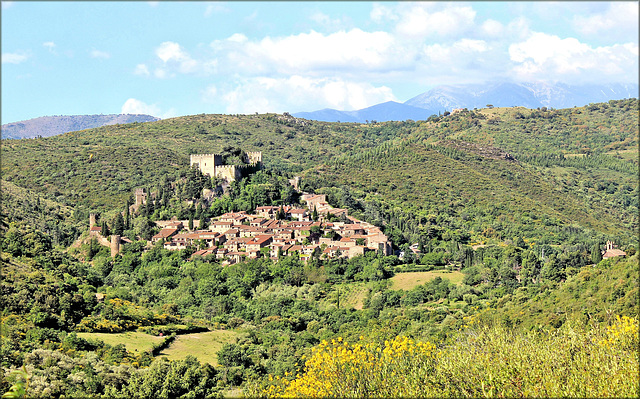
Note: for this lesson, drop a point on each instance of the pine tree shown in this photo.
(118, 224)
(314, 215)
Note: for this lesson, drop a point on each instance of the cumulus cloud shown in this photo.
(296, 93)
(134, 106)
(542, 56)
(313, 53)
(620, 19)
(492, 28)
(14, 58)
(381, 13)
(425, 19)
(173, 54)
(100, 54)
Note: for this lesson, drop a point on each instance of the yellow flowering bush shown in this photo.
(362, 369)
(624, 332)
(483, 361)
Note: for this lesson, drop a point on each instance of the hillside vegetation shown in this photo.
(502, 213)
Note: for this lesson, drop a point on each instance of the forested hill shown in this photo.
(507, 292)
(47, 126)
(450, 176)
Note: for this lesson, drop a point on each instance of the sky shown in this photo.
(170, 59)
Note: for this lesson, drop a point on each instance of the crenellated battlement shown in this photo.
(213, 165)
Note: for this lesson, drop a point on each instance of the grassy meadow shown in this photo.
(203, 346)
(134, 341)
(407, 281)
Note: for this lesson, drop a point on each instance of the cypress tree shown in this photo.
(105, 229)
(596, 254)
(118, 224)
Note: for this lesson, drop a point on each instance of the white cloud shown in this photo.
(134, 106)
(172, 53)
(13, 58)
(50, 46)
(619, 19)
(161, 73)
(544, 56)
(7, 4)
(100, 54)
(492, 28)
(379, 13)
(153, 3)
(313, 53)
(141, 69)
(420, 20)
(300, 93)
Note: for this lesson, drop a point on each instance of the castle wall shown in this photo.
(212, 165)
(229, 172)
(206, 162)
(254, 157)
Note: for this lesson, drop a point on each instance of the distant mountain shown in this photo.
(499, 94)
(389, 111)
(47, 126)
(529, 95)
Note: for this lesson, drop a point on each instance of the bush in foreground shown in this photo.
(601, 361)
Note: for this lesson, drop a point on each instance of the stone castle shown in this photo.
(213, 165)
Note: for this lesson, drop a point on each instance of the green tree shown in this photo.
(105, 229)
(596, 253)
(118, 224)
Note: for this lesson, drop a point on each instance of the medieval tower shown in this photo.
(213, 165)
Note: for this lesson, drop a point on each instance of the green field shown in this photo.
(134, 341)
(406, 281)
(204, 346)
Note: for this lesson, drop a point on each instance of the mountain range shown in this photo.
(46, 126)
(499, 94)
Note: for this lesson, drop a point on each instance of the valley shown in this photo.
(423, 240)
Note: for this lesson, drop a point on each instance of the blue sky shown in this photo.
(181, 58)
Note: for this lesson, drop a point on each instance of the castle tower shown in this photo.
(254, 157)
(141, 196)
(92, 220)
(115, 245)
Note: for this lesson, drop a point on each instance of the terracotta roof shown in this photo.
(613, 252)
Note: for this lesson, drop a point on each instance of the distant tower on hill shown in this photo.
(92, 220)
(141, 196)
(213, 165)
(115, 245)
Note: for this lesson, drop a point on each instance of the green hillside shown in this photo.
(564, 166)
(510, 209)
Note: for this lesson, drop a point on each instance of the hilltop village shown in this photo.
(276, 231)
(315, 230)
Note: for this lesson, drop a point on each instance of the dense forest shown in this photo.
(497, 286)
